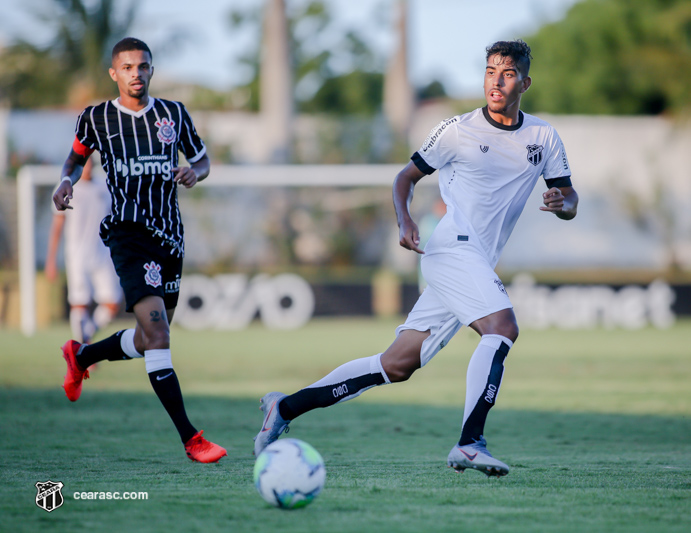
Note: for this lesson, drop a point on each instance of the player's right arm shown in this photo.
(71, 172)
(403, 186)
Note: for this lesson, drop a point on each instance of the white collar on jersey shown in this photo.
(136, 114)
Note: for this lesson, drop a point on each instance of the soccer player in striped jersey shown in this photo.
(489, 161)
(139, 138)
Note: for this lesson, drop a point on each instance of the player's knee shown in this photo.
(510, 331)
(505, 328)
(399, 371)
(157, 338)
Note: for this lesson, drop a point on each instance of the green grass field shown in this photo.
(595, 425)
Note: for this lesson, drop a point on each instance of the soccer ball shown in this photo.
(289, 473)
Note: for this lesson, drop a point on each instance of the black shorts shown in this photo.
(145, 264)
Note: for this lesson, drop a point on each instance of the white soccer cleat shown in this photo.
(476, 456)
(273, 424)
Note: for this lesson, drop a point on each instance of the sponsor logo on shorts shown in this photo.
(173, 286)
(500, 286)
(153, 274)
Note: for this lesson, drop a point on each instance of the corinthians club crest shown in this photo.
(166, 130)
(534, 153)
(153, 274)
(49, 496)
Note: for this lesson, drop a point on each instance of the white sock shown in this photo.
(155, 360)
(479, 369)
(350, 370)
(127, 344)
(348, 381)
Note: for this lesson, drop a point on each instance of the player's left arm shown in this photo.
(188, 177)
(562, 201)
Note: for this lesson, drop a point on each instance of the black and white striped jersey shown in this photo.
(139, 151)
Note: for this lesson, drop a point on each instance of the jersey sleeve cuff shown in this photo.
(80, 149)
(198, 156)
(563, 181)
(421, 164)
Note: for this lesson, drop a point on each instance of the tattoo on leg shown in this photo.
(155, 316)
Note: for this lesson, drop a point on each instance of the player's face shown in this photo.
(132, 71)
(504, 85)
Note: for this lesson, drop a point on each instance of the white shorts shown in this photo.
(100, 283)
(460, 290)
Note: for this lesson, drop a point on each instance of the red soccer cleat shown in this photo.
(75, 374)
(201, 450)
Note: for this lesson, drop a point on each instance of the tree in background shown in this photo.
(614, 57)
(335, 71)
(70, 67)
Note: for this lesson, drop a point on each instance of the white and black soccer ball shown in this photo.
(289, 473)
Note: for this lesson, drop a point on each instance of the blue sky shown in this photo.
(447, 37)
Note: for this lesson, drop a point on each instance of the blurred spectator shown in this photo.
(91, 277)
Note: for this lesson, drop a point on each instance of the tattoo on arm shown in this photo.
(155, 316)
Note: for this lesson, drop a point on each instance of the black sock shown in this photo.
(310, 398)
(109, 349)
(167, 387)
(474, 426)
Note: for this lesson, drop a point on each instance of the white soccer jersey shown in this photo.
(486, 173)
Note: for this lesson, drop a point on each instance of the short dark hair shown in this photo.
(517, 50)
(128, 44)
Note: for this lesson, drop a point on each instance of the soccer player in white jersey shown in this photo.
(489, 161)
(90, 273)
(139, 138)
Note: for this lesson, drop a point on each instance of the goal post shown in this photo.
(28, 178)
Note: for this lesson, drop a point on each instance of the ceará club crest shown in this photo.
(535, 154)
